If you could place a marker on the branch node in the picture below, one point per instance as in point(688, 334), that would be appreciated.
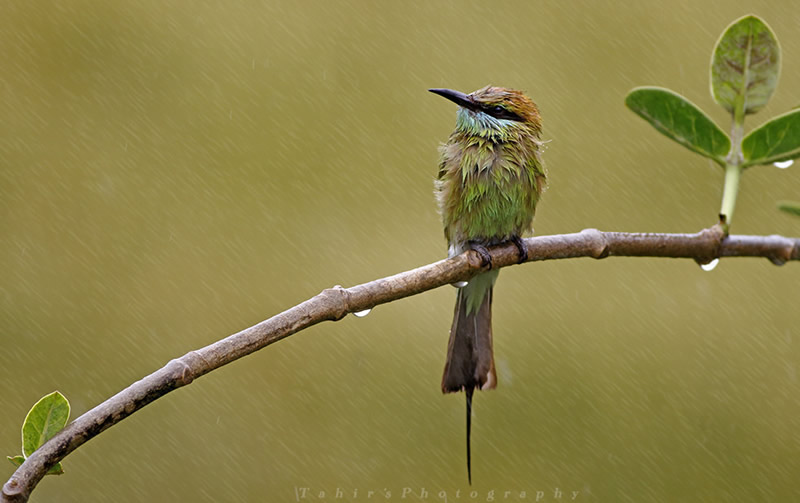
point(598, 244)
point(338, 300)
point(782, 254)
point(187, 363)
point(13, 492)
point(714, 236)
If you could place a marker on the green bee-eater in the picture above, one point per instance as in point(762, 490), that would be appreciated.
point(490, 179)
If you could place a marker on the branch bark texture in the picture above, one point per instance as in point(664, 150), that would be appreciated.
point(335, 303)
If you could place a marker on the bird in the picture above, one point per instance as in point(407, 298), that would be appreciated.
point(490, 178)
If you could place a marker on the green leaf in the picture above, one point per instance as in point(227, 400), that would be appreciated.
point(16, 460)
point(791, 207)
point(46, 418)
point(745, 65)
point(56, 469)
point(778, 139)
point(681, 120)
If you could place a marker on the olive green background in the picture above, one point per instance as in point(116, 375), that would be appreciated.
point(172, 172)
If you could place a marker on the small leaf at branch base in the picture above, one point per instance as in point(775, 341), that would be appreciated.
point(745, 65)
point(791, 207)
point(46, 418)
point(56, 469)
point(680, 119)
point(16, 460)
point(778, 139)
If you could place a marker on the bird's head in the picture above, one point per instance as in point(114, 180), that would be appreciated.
point(494, 108)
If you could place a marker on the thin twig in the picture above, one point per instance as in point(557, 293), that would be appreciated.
point(334, 303)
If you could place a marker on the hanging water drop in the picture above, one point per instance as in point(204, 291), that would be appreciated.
point(784, 164)
point(710, 266)
point(460, 284)
point(361, 314)
point(777, 260)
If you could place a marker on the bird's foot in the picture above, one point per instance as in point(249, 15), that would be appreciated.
point(486, 258)
point(521, 248)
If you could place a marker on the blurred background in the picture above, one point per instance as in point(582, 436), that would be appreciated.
point(173, 172)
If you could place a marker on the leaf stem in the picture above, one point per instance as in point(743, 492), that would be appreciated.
point(733, 164)
point(732, 174)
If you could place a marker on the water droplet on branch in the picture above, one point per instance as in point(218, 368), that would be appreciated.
point(361, 314)
point(784, 164)
point(460, 284)
point(710, 266)
point(777, 260)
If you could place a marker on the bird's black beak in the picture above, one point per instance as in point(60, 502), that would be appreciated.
point(457, 97)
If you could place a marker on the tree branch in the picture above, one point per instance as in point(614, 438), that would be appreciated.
point(334, 303)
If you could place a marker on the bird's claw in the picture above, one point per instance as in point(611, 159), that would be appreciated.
point(486, 257)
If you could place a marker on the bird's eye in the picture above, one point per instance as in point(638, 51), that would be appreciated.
point(498, 109)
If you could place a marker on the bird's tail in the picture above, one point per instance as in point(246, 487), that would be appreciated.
point(470, 360)
point(469, 392)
